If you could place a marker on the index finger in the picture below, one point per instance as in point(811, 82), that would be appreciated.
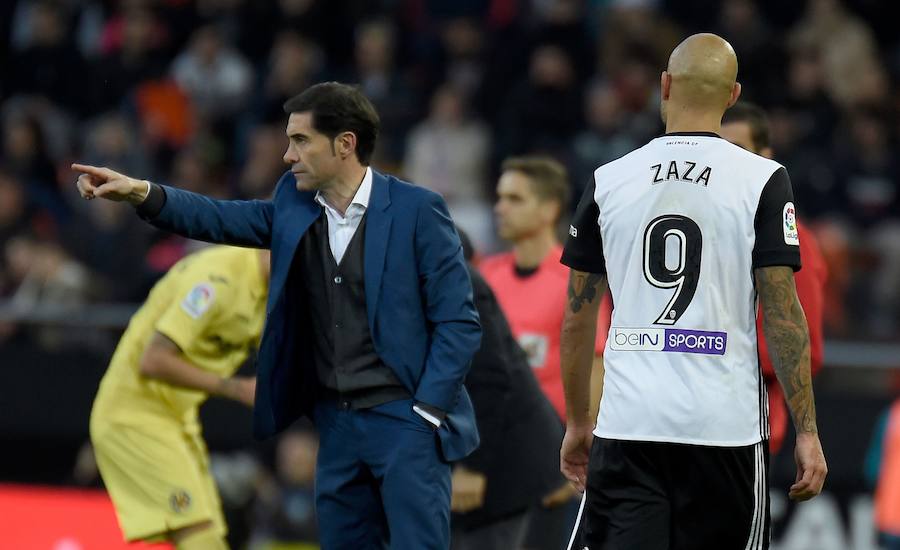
point(91, 170)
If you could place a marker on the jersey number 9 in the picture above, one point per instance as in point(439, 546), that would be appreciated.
point(683, 276)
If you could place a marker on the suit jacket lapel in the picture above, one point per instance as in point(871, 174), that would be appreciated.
point(378, 227)
point(300, 213)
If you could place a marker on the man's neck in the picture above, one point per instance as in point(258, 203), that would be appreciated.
point(531, 251)
point(343, 188)
point(693, 121)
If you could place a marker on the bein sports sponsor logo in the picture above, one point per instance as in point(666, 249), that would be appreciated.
point(669, 339)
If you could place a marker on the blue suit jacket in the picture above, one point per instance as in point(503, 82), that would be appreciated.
point(418, 297)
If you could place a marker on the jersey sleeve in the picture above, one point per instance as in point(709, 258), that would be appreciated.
point(584, 247)
point(196, 308)
point(777, 238)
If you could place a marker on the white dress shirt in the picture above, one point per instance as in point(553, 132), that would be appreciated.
point(342, 227)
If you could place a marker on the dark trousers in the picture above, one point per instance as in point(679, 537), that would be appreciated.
point(381, 481)
point(644, 495)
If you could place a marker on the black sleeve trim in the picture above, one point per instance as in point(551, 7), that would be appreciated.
point(588, 265)
point(153, 204)
point(584, 246)
point(776, 258)
point(771, 247)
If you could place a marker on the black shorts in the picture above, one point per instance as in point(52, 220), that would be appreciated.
point(667, 496)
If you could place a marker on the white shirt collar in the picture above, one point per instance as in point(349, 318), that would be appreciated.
point(361, 198)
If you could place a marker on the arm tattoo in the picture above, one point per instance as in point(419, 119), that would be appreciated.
point(788, 337)
point(582, 289)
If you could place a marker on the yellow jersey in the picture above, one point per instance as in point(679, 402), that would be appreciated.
point(212, 305)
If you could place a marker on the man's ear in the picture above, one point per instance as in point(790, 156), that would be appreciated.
point(735, 94)
point(345, 144)
point(665, 85)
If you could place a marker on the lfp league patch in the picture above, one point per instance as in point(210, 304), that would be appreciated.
point(198, 300)
point(789, 225)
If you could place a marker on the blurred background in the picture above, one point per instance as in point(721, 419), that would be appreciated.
point(189, 93)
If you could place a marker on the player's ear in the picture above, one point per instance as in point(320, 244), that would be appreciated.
point(735, 94)
point(665, 85)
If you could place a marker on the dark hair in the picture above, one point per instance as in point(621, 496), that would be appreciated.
point(338, 108)
point(549, 179)
point(755, 117)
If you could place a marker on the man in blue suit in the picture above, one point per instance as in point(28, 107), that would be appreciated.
point(370, 321)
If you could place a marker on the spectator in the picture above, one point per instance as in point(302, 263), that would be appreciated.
point(50, 62)
point(448, 153)
point(380, 80)
point(131, 54)
point(110, 140)
point(293, 65)
point(217, 78)
point(846, 44)
point(28, 158)
point(604, 139)
point(543, 111)
point(263, 163)
point(285, 510)
point(44, 275)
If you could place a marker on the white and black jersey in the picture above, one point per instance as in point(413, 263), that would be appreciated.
point(678, 226)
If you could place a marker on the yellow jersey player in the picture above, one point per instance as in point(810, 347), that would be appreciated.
point(184, 344)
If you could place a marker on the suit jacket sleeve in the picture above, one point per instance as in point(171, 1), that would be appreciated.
point(241, 223)
point(489, 381)
point(447, 299)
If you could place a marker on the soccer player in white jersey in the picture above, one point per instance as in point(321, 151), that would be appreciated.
point(686, 232)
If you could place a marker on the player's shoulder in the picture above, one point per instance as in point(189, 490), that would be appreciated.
point(222, 267)
point(748, 162)
point(214, 279)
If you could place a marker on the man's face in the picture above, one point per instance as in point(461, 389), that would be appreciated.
point(741, 135)
point(310, 154)
point(520, 212)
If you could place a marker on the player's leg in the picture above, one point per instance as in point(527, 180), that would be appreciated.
point(625, 503)
point(154, 479)
point(348, 506)
point(200, 536)
point(720, 497)
point(402, 451)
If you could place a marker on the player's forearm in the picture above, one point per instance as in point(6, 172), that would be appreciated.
point(171, 369)
point(579, 333)
point(787, 336)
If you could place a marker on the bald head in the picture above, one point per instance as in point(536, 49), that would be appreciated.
point(702, 74)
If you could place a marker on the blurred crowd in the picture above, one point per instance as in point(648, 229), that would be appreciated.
point(189, 93)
